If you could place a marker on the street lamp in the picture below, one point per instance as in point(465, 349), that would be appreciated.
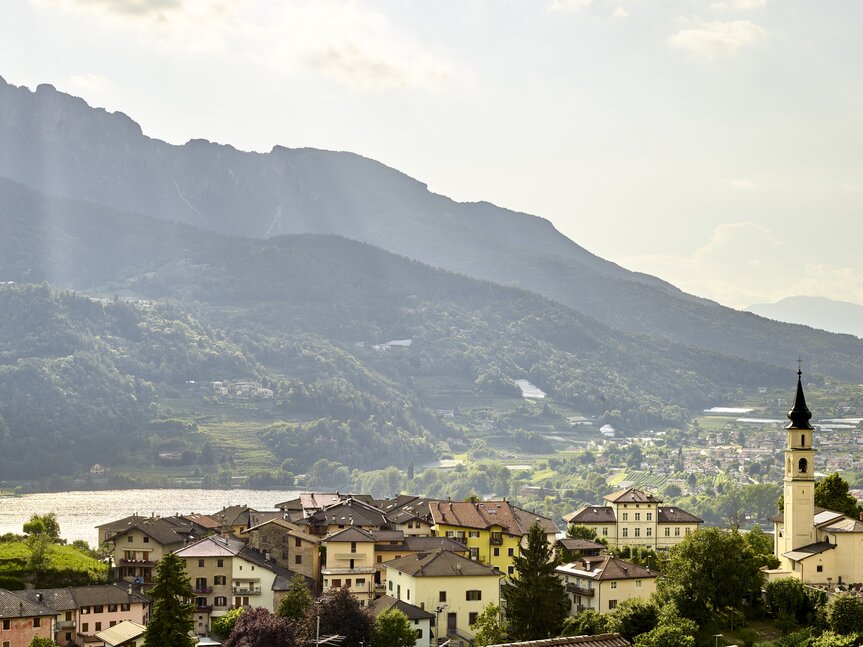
point(716, 638)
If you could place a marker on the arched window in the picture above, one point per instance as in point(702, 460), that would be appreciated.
point(802, 465)
point(803, 440)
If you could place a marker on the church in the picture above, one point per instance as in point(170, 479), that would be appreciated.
point(814, 545)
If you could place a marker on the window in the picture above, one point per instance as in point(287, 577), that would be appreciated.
point(201, 563)
point(353, 546)
point(37, 622)
point(98, 609)
point(614, 585)
point(68, 637)
point(638, 532)
point(85, 627)
point(112, 608)
point(220, 580)
point(361, 581)
point(298, 542)
point(390, 585)
point(220, 601)
point(510, 552)
point(471, 618)
point(220, 563)
point(146, 539)
point(298, 559)
point(650, 532)
point(112, 623)
point(419, 634)
point(473, 533)
point(626, 532)
point(98, 626)
point(510, 570)
point(677, 532)
point(626, 516)
point(474, 553)
point(473, 595)
point(819, 568)
point(612, 604)
point(129, 539)
point(650, 516)
point(125, 606)
point(380, 559)
point(408, 594)
point(638, 516)
point(496, 551)
point(605, 532)
point(638, 584)
point(441, 596)
point(668, 532)
point(6, 643)
point(687, 531)
point(85, 610)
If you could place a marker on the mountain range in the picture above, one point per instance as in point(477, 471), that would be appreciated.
point(817, 312)
point(201, 263)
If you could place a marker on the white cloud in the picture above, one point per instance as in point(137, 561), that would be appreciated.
point(343, 40)
point(739, 5)
point(716, 38)
point(88, 82)
point(740, 183)
point(568, 5)
point(620, 13)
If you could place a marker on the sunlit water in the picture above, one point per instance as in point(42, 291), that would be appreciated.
point(80, 512)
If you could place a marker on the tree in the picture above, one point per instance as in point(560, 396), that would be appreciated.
point(831, 492)
point(709, 572)
point(671, 630)
point(576, 531)
point(633, 617)
point(297, 600)
point(224, 625)
point(40, 553)
point(393, 629)
point(832, 639)
point(40, 641)
point(172, 613)
point(586, 623)
point(489, 628)
point(787, 595)
point(341, 613)
point(536, 600)
point(260, 628)
point(845, 614)
point(45, 524)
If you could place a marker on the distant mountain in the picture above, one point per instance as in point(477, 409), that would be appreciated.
point(302, 312)
point(57, 144)
point(817, 312)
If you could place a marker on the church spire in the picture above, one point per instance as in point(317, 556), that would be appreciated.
point(799, 414)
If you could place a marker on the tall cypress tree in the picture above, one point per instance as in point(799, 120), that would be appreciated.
point(536, 600)
point(172, 612)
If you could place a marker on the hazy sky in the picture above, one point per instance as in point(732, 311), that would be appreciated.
point(718, 145)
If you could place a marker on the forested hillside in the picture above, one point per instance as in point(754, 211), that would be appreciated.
point(58, 144)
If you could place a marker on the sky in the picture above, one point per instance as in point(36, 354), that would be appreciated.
point(717, 144)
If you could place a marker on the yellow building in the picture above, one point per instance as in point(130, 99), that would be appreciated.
point(452, 587)
point(601, 583)
point(493, 531)
point(636, 518)
point(350, 563)
point(812, 544)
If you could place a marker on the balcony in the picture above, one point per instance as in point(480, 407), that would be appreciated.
point(362, 570)
point(64, 624)
point(249, 590)
point(579, 590)
point(203, 589)
point(496, 540)
point(135, 562)
point(204, 608)
point(357, 557)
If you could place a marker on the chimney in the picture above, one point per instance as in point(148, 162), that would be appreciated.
point(129, 589)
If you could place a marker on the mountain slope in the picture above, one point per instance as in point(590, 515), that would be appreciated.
point(826, 314)
point(57, 144)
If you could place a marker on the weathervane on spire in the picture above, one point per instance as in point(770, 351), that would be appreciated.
point(799, 366)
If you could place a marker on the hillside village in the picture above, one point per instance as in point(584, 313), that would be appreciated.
point(440, 562)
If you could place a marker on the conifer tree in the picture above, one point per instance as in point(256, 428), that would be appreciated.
point(172, 615)
point(536, 600)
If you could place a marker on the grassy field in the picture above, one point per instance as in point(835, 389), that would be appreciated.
point(65, 564)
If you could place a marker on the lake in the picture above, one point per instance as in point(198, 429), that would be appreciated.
point(80, 512)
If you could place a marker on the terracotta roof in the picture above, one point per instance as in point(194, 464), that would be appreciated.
point(592, 514)
point(606, 567)
point(675, 515)
point(381, 604)
point(440, 563)
point(14, 606)
point(631, 495)
point(602, 640)
point(485, 514)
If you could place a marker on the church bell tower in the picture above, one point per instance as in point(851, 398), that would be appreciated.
point(799, 482)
